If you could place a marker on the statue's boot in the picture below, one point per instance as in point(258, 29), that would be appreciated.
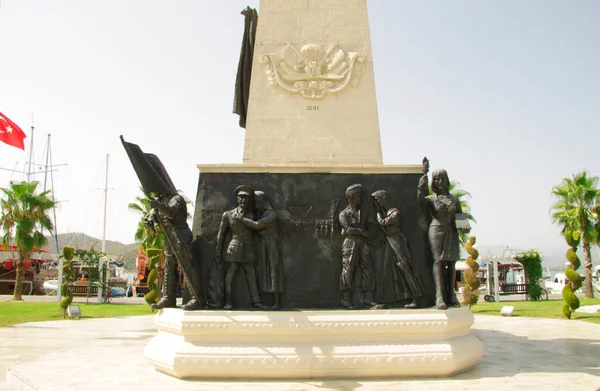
point(413, 304)
point(228, 305)
point(438, 279)
point(454, 302)
point(191, 305)
point(168, 289)
point(165, 302)
point(276, 299)
point(367, 299)
point(257, 304)
point(346, 303)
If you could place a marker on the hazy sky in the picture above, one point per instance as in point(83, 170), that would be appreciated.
point(503, 94)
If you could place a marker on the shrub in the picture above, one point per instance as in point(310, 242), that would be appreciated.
point(68, 278)
point(153, 255)
point(532, 263)
point(471, 289)
point(568, 292)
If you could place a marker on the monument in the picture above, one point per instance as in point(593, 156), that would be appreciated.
point(306, 224)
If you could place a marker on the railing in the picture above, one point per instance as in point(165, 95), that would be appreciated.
point(82, 290)
point(521, 289)
point(514, 289)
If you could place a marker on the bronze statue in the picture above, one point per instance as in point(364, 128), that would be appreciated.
point(172, 210)
point(355, 249)
point(241, 251)
point(399, 281)
point(441, 208)
point(270, 263)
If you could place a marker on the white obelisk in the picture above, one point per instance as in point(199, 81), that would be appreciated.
point(312, 95)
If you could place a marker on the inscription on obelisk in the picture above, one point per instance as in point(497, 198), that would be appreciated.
point(312, 94)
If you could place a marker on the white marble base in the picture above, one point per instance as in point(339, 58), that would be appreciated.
point(313, 344)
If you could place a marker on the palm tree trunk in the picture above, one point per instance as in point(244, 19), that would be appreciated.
point(19, 273)
point(587, 258)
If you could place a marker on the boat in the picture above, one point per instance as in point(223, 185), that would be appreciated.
point(50, 287)
point(37, 269)
point(116, 291)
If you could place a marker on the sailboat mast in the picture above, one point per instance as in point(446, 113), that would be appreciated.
point(47, 159)
point(30, 151)
point(105, 203)
point(49, 168)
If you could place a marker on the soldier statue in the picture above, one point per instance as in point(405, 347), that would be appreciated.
point(241, 250)
point(172, 211)
point(355, 250)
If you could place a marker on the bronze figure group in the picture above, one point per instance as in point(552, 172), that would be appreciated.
point(254, 241)
point(248, 239)
point(397, 282)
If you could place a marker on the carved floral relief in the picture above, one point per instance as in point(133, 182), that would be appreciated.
point(314, 70)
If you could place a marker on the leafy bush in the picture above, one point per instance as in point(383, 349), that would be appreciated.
point(68, 278)
point(532, 263)
point(153, 255)
point(471, 289)
point(568, 292)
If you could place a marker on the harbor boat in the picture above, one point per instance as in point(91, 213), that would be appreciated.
point(37, 269)
point(50, 287)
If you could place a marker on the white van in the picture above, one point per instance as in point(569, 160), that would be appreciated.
point(558, 283)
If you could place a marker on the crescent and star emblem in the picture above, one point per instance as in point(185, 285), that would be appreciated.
point(7, 127)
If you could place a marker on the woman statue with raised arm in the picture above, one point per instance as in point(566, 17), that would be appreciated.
point(440, 209)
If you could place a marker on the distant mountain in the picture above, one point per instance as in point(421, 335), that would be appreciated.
point(114, 250)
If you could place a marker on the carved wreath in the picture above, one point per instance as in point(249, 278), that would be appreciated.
point(313, 71)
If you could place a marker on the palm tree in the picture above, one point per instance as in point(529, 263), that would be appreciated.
point(576, 209)
point(463, 197)
point(25, 212)
point(149, 237)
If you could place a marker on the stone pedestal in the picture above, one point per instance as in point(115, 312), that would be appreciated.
point(313, 344)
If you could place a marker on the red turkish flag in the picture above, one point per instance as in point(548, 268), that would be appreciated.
point(10, 133)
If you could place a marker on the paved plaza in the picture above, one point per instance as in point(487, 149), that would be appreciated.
point(101, 354)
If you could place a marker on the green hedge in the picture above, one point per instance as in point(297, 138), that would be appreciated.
point(532, 263)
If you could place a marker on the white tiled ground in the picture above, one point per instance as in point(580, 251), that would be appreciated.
point(106, 354)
